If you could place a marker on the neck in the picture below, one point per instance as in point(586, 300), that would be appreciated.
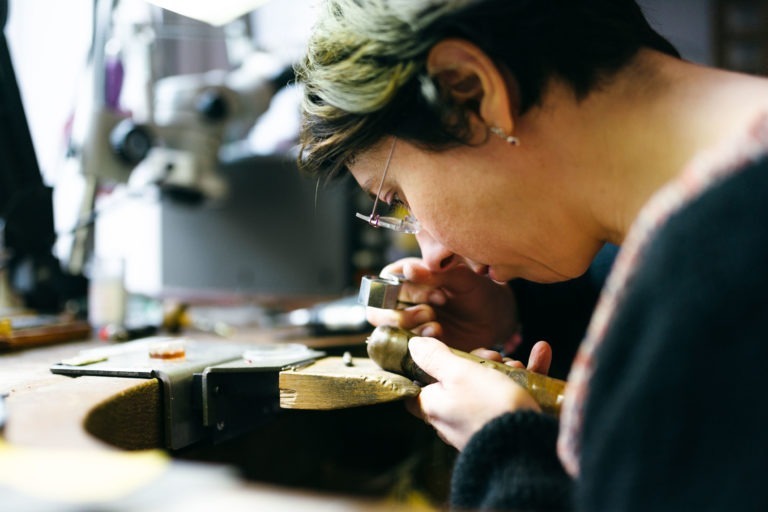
point(637, 132)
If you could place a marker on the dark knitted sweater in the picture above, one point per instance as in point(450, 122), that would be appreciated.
point(676, 418)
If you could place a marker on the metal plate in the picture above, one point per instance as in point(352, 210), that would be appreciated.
point(193, 409)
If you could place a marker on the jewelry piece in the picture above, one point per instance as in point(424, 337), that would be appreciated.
point(511, 139)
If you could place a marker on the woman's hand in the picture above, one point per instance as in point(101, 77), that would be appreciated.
point(464, 309)
point(466, 395)
point(539, 359)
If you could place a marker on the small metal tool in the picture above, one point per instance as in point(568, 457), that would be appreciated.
point(381, 291)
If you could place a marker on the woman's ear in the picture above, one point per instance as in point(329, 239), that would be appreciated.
point(473, 80)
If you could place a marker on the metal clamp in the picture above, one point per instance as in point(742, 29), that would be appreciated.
point(215, 392)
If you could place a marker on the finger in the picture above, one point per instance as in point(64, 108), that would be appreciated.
point(416, 293)
point(514, 363)
point(428, 283)
point(429, 329)
point(417, 315)
point(377, 316)
point(416, 271)
point(541, 358)
point(487, 353)
point(417, 285)
point(398, 267)
point(421, 317)
point(418, 407)
point(457, 279)
point(436, 359)
point(422, 294)
point(413, 406)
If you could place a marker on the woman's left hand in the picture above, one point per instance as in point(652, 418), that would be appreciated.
point(539, 361)
point(466, 395)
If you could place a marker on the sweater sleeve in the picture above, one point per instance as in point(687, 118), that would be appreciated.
point(511, 464)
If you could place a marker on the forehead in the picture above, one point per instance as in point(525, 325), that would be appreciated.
point(368, 165)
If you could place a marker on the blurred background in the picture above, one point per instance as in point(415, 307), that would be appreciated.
point(148, 179)
point(167, 145)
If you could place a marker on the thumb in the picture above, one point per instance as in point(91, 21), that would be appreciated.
point(434, 357)
point(429, 283)
point(540, 358)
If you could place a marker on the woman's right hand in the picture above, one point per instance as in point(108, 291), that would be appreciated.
point(463, 309)
point(466, 395)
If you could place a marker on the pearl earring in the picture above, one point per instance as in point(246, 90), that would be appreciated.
point(511, 139)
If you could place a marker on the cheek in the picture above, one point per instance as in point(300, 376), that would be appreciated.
point(467, 233)
point(479, 230)
point(464, 219)
point(458, 210)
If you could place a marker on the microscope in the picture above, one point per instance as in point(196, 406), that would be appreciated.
point(172, 141)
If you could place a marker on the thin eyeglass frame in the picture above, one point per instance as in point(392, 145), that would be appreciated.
point(381, 186)
point(374, 219)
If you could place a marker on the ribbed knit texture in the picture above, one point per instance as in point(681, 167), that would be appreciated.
point(511, 465)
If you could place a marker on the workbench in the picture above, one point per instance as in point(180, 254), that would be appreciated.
point(74, 432)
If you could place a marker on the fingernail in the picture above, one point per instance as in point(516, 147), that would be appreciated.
point(429, 331)
point(415, 343)
point(437, 298)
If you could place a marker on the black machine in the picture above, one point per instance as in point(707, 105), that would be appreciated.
point(26, 203)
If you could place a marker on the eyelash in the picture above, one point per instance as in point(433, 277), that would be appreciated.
point(396, 201)
point(393, 200)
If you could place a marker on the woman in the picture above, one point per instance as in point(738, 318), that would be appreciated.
point(516, 138)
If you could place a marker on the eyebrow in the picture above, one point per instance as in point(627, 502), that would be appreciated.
point(376, 181)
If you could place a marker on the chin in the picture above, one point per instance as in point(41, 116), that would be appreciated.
point(538, 275)
point(551, 279)
point(497, 275)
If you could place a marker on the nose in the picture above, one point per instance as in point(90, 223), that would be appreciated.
point(436, 256)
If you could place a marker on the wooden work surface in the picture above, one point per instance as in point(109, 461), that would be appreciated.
point(52, 416)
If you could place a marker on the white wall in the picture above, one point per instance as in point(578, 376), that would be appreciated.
point(49, 41)
point(282, 26)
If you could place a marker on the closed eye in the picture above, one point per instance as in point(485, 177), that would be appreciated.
point(397, 201)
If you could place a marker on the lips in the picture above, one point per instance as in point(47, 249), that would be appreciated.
point(494, 277)
point(487, 271)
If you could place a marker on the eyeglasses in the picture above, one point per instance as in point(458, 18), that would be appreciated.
point(395, 215)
